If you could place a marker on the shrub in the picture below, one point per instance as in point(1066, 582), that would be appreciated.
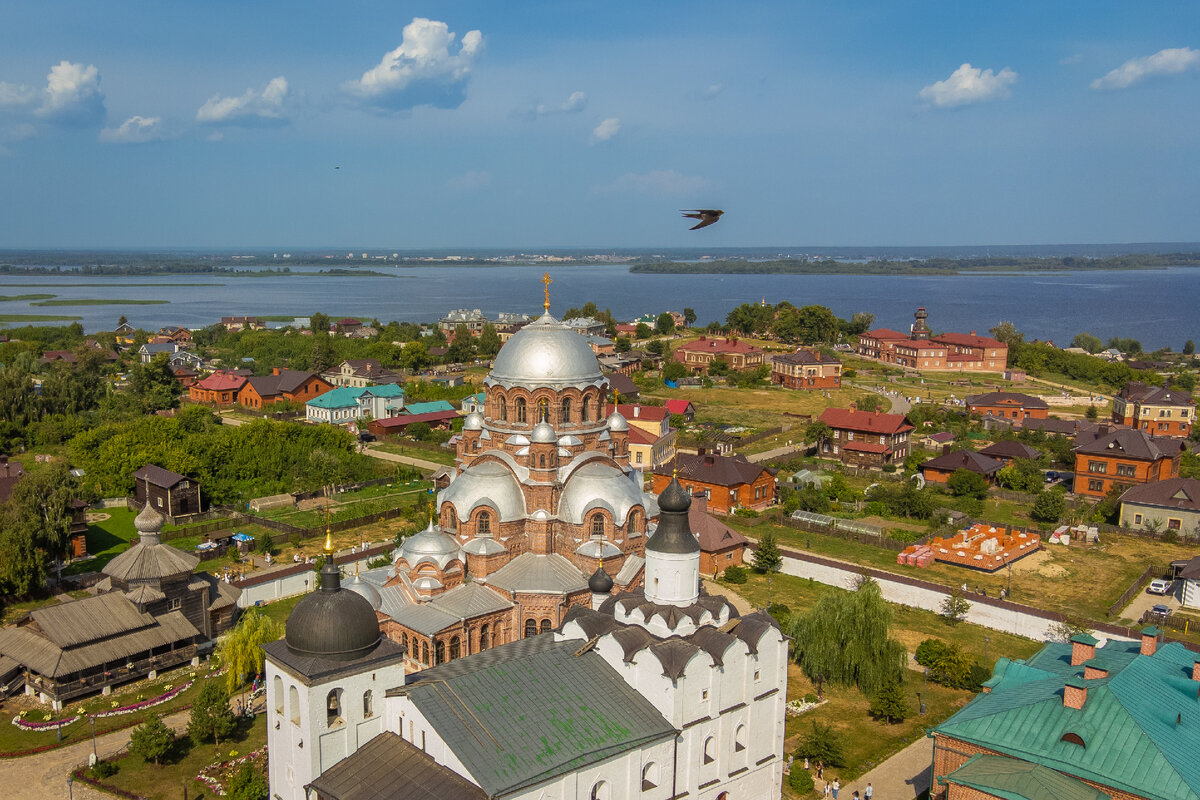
point(906, 536)
point(811, 697)
point(735, 574)
point(248, 784)
point(103, 769)
point(890, 704)
point(822, 743)
point(955, 607)
point(151, 740)
point(780, 612)
point(929, 651)
point(749, 513)
point(800, 779)
point(889, 468)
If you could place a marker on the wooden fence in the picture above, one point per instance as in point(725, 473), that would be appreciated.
point(1150, 574)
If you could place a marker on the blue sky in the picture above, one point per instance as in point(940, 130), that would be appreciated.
point(527, 124)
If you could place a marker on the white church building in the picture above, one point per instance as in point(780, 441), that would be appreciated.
point(660, 693)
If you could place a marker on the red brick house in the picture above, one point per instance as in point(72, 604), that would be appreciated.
point(866, 438)
point(721, 547)
point(1125, 457)
point(939, 469)
point(218, 389)
point(1008, 405)
point(727, 482)
point(282, 384)
point(1159, 410)
point(806, 369)
point(737, 354)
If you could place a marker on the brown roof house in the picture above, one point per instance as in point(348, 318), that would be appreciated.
point(1170, 505)
point(169, 493)
point(726, 481)
point(721, 547)
point(939, 470)
point(866, 438)
point(282, 385)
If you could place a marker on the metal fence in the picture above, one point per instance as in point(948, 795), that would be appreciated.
point(1134, 588)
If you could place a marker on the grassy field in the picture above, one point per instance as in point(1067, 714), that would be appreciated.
point(36, 318)
point(1078, 581)
point(106, 539)
point(438, 455)
point(176, 776)
point(95, 301)
point(10, 297)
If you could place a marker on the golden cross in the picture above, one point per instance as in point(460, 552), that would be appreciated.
point(546, 281)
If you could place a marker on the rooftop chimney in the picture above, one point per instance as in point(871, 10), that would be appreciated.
point(1196, 670)
point(972, 333)
point(274, 370)
point(1150, 641)
point(1091, 672)
point(1083, 648)
point(945, 449)
point(1075, 693)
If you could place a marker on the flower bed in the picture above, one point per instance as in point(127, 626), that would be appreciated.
point(81, 775)
point(171, 694)
point(218, 776)
point(26, 725)
point(795, 708)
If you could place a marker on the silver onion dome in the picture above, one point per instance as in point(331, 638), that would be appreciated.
point(545, 353)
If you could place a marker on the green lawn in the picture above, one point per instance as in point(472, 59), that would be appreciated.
point(176, 775)
point(106, 540)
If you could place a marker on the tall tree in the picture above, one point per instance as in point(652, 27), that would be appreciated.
point(154, 385)
point(1087, 341)
point(845, 639)
point(241, 648)
point(665, 324)
point(489, 340)
point(689, 316)
point(37, 526)
point(319, 323)
point(1005, 331)
point(151, 740)
point(211, 717)
point(323, 357)
point(890, 702)
point(766, 556)
point(817, 324)
point(1189, 347)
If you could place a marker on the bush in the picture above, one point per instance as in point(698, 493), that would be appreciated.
point(929, 651)
point(151, 740)
point(103, 769)
point(964, 483)
point(748, 513)
point(735, 574)
point(889, 468)
point(890, 703)
point(248, 784)
point(822, 743)
point(955, 607)
point(811, 697)
point(906, 536)
point(800, 779)
point(780, 612)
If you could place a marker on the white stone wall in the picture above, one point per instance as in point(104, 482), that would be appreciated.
point(300, 752)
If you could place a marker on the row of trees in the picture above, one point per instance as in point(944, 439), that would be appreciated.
point(812, 324)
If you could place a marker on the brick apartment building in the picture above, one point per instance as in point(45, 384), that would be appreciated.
point(1123, 456)
point(1159, 410)
point(922, 350)
point(698, 355)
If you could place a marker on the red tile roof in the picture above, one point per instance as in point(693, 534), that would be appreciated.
point(867, 447)
point(847, 419)
point(967, 340)
point(679, 406)
point(221, 381)
point(632, 411)
point(706, 345)
point(885, 333)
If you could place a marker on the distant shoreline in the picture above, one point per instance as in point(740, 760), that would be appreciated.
point(921, 267)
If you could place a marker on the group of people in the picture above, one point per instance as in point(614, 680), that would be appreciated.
point(834, 786)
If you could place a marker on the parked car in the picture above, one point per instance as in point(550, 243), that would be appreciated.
point(1159, 608)
point(1159, 586)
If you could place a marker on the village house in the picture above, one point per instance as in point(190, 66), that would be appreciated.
point(651, 437)
point(683, 408)
point(58, 357)
point(621, 386)
point(11, 473)
point(170, 494)
point(345, 404)
point(186, 376)
point(221, 388)
point(176, 334)
point(348, 327)
point(866, 438)
point(472, 403)
point(1006, 451)
point(939, 469)
point(624, 364)
point(806, 369)
point(125, 333)
point(1008, 405)
point(721, 547)
point(360, 372)
point(1122, 456)
point(282, 385)
point(186, 359)
point(588, 326)
point(1082, 719)
point(1169, 505)
point(472, 318)
point(1159, 410)
point(935, 441)
point(149, 350)
point(397, 425)
point(727, 482)
point(233, 324)
point(698, 355)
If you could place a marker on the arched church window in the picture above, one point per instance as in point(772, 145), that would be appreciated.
point(504, 409)
point(546, 626)
point(530, 627)
point(425, 653)
point(439, 652)
point(542, 461)
point(649, 776)
point(635, 522)
point(455, 648)
point(597, 526)
point(520, 409)
point(368, 704)
point(600, 791)
point(278, 686)
point(451, 517)
point(543, 410)
point(708, 751)
point(483, 637)
point(483, 526)
point(739, 739)
point(294, 704)
point(585, 410)
point(333, 708)
point(566, 409)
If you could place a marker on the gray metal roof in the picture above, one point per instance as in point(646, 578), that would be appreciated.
point(597, 484)
point(524, 713)
point(629, 570)
point(425, 618)
point(470, 600)
point(388, 767)
point(529, 572)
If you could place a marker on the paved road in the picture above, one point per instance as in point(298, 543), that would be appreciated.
point(902, 777)
point(1142, 601)
point(900, 405)
point(419, 463)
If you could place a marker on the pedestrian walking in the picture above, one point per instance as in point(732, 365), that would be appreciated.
point(856, 794)
point(869, 792)
point(806, 767)
point(837, 785)
point(828, 788)
point(820, 769)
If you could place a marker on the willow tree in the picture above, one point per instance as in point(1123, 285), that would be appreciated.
point(241, 650)
point(844, 639)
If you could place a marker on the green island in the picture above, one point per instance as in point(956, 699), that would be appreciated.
point(99, 301)
point(73, 285)
point(36, 318)
point(4, 298)
point(927, 266)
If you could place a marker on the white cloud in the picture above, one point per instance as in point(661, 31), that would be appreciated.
point(574, 102)
point(969, 85)
point(713, 90)
point(421, 71)
point(1171, 61)
point(664, 182)
point(251, 108)
point(470, 181)
point(606, 130)
point(71, 97)
point(135, 130)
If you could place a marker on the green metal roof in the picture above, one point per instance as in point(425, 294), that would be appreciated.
point(1011, 779)
point(525, 712)
point(1084, 638)
point(384, 390)
point(341, 397)
point(1127, 723)
point(425, 408)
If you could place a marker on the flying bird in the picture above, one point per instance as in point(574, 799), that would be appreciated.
point(707, 216)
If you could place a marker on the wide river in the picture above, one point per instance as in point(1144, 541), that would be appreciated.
point(1157, 307)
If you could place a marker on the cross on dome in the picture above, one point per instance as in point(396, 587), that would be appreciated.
point(546, 281)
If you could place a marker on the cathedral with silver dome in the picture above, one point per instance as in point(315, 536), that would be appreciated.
point(542, 498)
